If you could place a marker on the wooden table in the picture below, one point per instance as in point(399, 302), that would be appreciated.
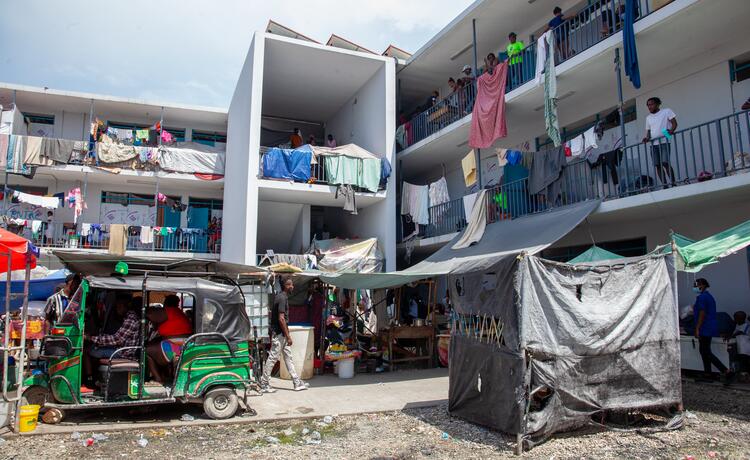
point(426, 333)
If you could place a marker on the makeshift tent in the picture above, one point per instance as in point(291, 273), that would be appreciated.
point(594, 254)
point(19, 249)
point(693, 257)
point(339, 255)
point(288, 164)
point(539, 347)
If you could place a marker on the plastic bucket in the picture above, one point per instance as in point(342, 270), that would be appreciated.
point(346, 368)
point(27, 417)
point(303, 348)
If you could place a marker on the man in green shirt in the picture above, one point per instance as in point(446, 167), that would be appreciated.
point(515, 49)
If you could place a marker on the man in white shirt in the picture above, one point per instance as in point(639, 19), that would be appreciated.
point(661, 125)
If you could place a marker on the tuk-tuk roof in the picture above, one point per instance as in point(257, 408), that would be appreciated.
point(218, 307)
point(93, 263)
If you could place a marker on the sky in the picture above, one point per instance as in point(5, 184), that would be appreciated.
point(186, 51)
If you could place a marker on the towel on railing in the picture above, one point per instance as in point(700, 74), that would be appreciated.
point(477, 223)
point(469, 167)
point(488, 116)
point(439, 192)
point(415, 202)
point(118, 239)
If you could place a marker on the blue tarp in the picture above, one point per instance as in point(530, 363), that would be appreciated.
point(288, 164)
point(39, 289)
point(628, 43)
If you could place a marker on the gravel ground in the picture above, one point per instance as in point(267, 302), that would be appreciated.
point(718, 427)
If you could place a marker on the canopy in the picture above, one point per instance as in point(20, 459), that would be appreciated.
point(348, 150)
point(508, 238)
point(19, 250)
point(341, 255)
point(693, 257)
point(594, 254)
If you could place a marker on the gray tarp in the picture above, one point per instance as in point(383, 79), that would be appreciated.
point(528, 234)
point(598, 337)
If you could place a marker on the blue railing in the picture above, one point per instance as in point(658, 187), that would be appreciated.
point(708, 151)
point(578, 33)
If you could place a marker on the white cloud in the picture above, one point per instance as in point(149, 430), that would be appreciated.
point(186, 51)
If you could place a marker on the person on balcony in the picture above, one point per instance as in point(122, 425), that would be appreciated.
point(661, 125)
point(561, 36)
point(296, 138)
point(468, 81)
point(331, 141)
point(490, 62)
point(514, 50)
point(311, 140)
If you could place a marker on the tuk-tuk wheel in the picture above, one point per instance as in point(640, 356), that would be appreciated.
point(221, 403)
point(35, 395)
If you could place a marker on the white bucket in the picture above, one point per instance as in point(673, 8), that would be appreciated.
point(303, 347)
point(346, 368)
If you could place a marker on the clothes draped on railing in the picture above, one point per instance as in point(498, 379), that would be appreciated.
point(550, 91)
point(488, 117)
point(289, 164)
point(415, 202)
point(469, 167)
point(48, 202)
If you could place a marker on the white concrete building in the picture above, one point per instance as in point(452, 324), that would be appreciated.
point(694, 55)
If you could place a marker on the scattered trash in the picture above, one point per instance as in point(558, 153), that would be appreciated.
point(187, 418)
point(272, 440)
point(313, 441)
point(143, 442)
point(75, 435)
point(689, 414)
point(88, 442)
point(288, 432)
point(315, 436)
point(98, 437)
point(445, 436)
point(328, 419)
point(305, 431)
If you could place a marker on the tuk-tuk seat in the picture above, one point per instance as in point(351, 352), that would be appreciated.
point(120, 363)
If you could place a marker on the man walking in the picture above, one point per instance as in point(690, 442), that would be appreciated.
point(281, 340)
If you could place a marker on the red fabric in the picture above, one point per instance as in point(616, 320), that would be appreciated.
point(176, 325)
point(208, 176)
point(488, 117)
point(18, 246)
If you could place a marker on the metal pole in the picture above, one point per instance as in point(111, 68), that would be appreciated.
point(478, 152)
point(156, 210)
point(91, 115)
point(161, 124)
point(618, 69)
point(142, 357)
point(7, 327)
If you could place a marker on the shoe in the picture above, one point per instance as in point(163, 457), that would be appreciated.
point(302, 386)
point(267, 389)
point(85, 389)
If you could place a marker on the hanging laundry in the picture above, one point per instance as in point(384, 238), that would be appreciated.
point(141, 134)
point(541, 61)
point(15, 163)
point(513, 157)
point(401, 136)
point(385, 171)
point(85, 229)
point(415, 202)
point(161, 198)
point(108, 151)
point(347, 193)
point(502, 157)
point(488, 115)
point(33, 152)
point(477, 222)
point(49, 202)
point(166, 137)
point(469, 166)
point(75, 201)
point(590, 139)
point(628, 43)
point(4, 141)
point(147, 235)
point(57, 150)
point(118, 239)
point(577, 146)
point(550, 92)
point(438, 192)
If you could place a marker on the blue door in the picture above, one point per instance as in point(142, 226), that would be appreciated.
point(198, 219)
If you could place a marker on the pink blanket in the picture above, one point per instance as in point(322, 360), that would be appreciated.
point(488, 117)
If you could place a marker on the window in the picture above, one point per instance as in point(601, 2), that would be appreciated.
point(39, 119)
point(209, 138)
point(740, 70)
point(133, 126)
point(626, 248)
point(210, 203)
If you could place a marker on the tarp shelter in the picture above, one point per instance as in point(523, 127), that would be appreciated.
point(18, 248)
point(338, 255)
point(540, 347)
point(594, 254)
point(693, 257)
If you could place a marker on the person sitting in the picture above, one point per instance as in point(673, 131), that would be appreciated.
point(58, 301)
point(296, 138)
point(367, 325)
point(331, 141)
point(173, 327)
point(104, 345)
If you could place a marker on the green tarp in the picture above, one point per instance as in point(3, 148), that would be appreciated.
point(594, 254)
point(693, 257)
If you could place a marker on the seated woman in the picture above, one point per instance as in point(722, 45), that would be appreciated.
point(173, 327)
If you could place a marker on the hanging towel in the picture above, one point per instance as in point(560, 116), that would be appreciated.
point(166, 137)
point(347, 193)
point(541, 56)
point(49, 202)
point(57, 150)
point(589, 140)
point(118, 239)
point(141, 134)
point(439, 192)
point(550, 93)
point(371, 169)
point(147, 235)
point(385, 171)
point(415, 202)
point(502, 157)
point(577, 146)
point(469, 205)
point(469, 166)
point(16, 147)
point(75, 201)
point(85, 229)
point(476, 223)
point(488, 116)
point(33, 152)
point(628, 43)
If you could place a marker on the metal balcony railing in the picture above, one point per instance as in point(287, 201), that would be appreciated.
point(578, 33)
point(708, 151)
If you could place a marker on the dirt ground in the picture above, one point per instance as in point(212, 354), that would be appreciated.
point(717, 426)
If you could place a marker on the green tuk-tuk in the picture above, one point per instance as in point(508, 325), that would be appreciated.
point(213, 368)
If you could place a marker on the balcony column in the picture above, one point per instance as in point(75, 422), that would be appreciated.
point(477, 152)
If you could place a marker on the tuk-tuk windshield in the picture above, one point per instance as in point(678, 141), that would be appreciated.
point(70, 314)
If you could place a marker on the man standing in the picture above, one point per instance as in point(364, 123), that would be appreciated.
point(661, 125)
point(281, 340)
point(514, 49)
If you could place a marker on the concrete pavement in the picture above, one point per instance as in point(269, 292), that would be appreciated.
point(327, 395)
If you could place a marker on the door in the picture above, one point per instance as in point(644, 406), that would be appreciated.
point(198, 219)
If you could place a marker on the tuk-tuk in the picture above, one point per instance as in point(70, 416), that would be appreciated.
point(213, 367)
